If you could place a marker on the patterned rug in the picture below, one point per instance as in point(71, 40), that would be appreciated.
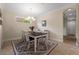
point(20, 48)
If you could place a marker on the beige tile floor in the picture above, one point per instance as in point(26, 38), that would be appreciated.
point(65, 49)
point(7, 48)
point(61, 49)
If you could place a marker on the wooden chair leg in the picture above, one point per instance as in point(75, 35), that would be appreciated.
point(46, 44)
point(28, 45)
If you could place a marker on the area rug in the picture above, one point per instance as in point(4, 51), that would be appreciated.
point(20, 48)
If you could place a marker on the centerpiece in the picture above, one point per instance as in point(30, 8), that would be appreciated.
point(31, 28)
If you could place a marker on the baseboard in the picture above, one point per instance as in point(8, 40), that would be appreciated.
point(58, 40)
point(15, 38)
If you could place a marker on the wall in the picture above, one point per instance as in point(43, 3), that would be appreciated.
point(77, 24)
point(54, 24)
point(64, 26)
point(11, 28)
point(54, 20)
point(0, 30)
point(0, 5)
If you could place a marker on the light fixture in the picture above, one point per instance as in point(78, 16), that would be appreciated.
point(31, 9)
point(33, 19)
point(69, 9)
point(30, 18)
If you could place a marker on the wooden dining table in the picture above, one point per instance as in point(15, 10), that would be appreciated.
point(37, 35)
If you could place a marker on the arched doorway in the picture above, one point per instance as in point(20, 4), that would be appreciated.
point(69, 26)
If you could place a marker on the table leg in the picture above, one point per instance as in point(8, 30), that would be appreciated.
point(35, 45)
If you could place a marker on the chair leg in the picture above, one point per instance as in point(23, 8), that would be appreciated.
point(37, 42)
point(28, 45)
point(45, 43)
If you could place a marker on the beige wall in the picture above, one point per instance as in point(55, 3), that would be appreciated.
point(54, 22)
point(0, 33)
point(0, 5)
point(77, 24)
point(11, 28)
point(0, 29)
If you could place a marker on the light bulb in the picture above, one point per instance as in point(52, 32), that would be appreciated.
point(33, 19)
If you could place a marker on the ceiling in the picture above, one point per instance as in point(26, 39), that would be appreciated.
point(32, 9)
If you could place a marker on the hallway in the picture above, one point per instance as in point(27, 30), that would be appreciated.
point(71, 39)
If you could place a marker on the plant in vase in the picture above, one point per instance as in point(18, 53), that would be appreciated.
point(31, 28)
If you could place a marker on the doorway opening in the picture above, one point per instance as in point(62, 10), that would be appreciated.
point(69, 28)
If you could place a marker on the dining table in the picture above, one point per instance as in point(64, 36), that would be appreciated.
point(36, 35)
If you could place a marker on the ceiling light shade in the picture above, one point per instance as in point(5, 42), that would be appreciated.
point(33, 19)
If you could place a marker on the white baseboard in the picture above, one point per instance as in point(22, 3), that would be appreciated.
point(57, 39)
point(15, 38)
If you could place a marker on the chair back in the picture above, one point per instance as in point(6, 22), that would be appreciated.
point(23, 36)
point(27, 36)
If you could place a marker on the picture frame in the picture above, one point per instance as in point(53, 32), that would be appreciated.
point(44, 24)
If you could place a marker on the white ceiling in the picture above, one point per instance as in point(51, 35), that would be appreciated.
point(32, 9)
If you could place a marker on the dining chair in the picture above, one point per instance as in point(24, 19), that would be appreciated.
point(48, 34)
point(28, 40)
point(42, 40)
